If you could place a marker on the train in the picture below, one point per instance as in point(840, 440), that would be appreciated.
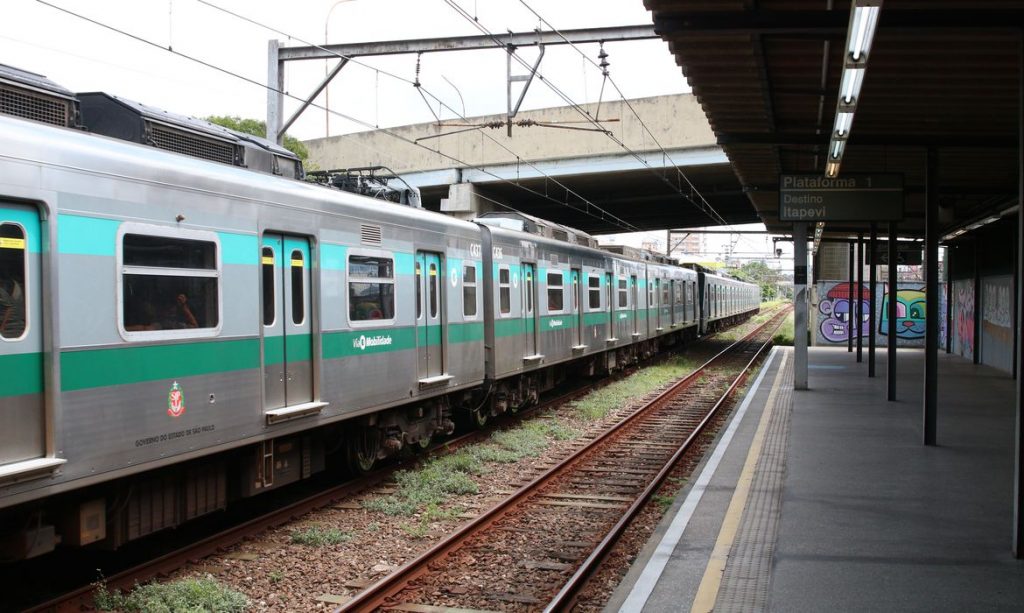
point(178, 334)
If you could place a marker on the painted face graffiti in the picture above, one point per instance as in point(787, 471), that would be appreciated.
point(836, 306)
point(963, 309)
point(910, 311)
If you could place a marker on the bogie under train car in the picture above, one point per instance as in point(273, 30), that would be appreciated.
point(176, 334)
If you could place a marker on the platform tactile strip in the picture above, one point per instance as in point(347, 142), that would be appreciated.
point(748, 570)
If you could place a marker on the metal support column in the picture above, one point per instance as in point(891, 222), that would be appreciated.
point(275, 92)
point(857, 301)
point(931, 273)
point(949, 304)
point(871, 292)
point(1018, 439)
point(800, 305)
point(891, 349)
point(849, 312)
point(976, 345)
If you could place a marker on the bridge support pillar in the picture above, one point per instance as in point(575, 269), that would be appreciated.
point(463, 202)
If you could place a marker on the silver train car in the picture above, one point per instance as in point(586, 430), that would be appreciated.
point(725, 301)
point(178, 334)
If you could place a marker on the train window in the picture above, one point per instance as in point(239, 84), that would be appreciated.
point(575, 291)
point(298, 294)
point(469, 290)
point(168, 283)
point(269, 304)
point(623, 294)
point(665, 300)
point(13, 322)
point(504, 291)
point(556, 296)
point(529, 291)
point(419, 290)
point(594, 291)
point(371, 288)
point(652, 292)
point(432, 289)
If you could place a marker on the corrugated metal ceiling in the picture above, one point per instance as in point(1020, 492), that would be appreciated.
point(942, 73)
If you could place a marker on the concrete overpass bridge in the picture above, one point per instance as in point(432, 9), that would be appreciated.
point(579, 178)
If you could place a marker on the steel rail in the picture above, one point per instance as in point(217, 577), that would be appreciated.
point(572, 587)
point(379, 594)
point(173, 560)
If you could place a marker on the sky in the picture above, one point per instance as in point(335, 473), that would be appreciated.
point(83, 56)
point(86, 56)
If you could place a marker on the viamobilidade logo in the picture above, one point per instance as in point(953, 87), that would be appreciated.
point(364, 341)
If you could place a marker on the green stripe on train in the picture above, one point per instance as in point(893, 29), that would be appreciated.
point(273, 350)
point(299, 348)
point(125, 365)
point(21, 373)
point(468, 332)
point(362, 342)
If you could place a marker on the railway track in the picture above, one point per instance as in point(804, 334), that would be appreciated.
point(538, 547)
point(171, 561)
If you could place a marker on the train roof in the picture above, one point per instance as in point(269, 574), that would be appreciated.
point(39, 82)
point(74, 149)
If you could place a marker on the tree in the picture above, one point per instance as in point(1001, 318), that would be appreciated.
point(259, 128)
point(758, 272)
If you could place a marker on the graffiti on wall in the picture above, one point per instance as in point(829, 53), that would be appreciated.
point(996, 310)
point(963, 318)
point(836, 310)
point(910, 310)
point(996, 301)
point(834, 313)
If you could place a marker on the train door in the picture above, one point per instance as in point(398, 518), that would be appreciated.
point(22, 406)
point(652, 305)
point(634, 291)
point(530, 309)
point(287, 321)
point(577, 335)
point(429, 314)
point(672, 301)
point(610, 293)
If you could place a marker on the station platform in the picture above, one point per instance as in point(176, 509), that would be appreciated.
point(827, 500)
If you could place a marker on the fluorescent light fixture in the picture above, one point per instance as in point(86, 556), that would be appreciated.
point(862, 31)
point(836, 151)
point(843, 123)
point(849, 88)
point(831, 169)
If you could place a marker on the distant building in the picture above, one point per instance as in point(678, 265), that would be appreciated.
point(687, 244)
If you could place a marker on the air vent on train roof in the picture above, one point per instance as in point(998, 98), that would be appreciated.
point(32, 96)
point(119, 117)
point(370, 235)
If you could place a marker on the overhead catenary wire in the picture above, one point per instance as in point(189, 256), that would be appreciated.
point(704, 206)
point(424, 92)
point(587, 206)
point(603, 67)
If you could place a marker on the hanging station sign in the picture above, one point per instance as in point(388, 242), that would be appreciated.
point(907, 254)
point(850, 197)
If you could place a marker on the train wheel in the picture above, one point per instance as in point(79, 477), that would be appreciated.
point(363, 448)
point(480, 417)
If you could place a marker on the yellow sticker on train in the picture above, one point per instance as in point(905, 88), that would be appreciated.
point(297, 263)
point(12, 243)
point(268, 260)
